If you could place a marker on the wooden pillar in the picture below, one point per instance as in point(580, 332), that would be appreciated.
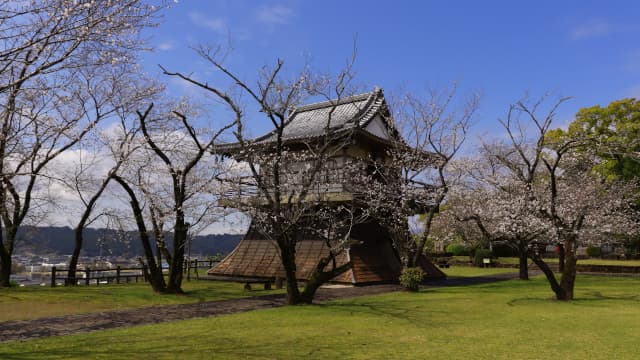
point(144, 272)
point(195, 266)
point(279, 283)
point(53, 276)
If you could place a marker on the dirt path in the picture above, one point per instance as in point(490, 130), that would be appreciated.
point(71, 324)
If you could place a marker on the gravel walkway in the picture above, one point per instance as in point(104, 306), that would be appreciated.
point(71, 324)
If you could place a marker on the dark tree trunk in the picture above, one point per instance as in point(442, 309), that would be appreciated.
point(563, 289)
point(288, 254)
point(411, 250)
point(561, 257)
point(6, 249)
point(419, 250)
point(5, 268)
point(523, 265)
point(73, 262)
point(551, 277)
point(320, 277)
point(568, 279)
point(156, 277)
point(174, 285)
point(422, 240)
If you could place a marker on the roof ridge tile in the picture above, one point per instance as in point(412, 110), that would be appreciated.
point(334, 102)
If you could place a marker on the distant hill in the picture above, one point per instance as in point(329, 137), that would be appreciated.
point(106, 242)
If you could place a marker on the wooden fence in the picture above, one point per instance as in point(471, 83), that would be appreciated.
point(121, 275)
point(192, 266)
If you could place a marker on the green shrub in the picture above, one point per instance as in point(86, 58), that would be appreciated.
point(480, 255)
point(411, 278)
point(457, 250)
point(593, 251)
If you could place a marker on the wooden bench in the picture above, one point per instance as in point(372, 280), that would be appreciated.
point(248, 281)
point(266, 283)
point(443, 263)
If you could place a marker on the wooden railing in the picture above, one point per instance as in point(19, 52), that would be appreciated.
point(90, 276)
point(192, 266)
point(120, 275)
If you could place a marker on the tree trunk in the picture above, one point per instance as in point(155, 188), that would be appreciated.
point(523, 265)
point(73, 262)
point(156, 277)
point(288, 254)
point(422, 240)
point(174, 285)
point(568, 279)
point(5, 268)
point(551, 277)
point(415, 255)
point(6, 250)
point(561, 257)
point(410, 249)
point(320, 277)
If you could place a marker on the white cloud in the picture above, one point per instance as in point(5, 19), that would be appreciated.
point(277, 14)
point(216, 24)
point(166, 45)
point(591, 29)
point(235, 223)
point(61, 206)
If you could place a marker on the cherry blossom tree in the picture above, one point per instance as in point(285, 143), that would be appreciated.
point(501, 215)
point(283, 178)
point(542, 189)
point(169, 182)
point(581, 206)
point(115, 93)
point(420, 171)
point(44, 111)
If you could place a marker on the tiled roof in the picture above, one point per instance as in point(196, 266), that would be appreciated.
point(311, 120)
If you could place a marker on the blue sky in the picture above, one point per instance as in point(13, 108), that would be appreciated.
point(504, 49)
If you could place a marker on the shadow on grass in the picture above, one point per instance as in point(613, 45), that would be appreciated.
point(396, 309)
point(590, 297)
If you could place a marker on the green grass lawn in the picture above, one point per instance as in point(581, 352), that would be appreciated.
point(608, 262)
point(34, 302)
point(503, 320)
point(471, 271)
point(513, 260)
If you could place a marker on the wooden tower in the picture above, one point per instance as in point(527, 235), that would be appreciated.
point(364, 122)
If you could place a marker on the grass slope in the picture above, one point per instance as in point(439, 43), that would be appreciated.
point(34, 302)
point(505, 320)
